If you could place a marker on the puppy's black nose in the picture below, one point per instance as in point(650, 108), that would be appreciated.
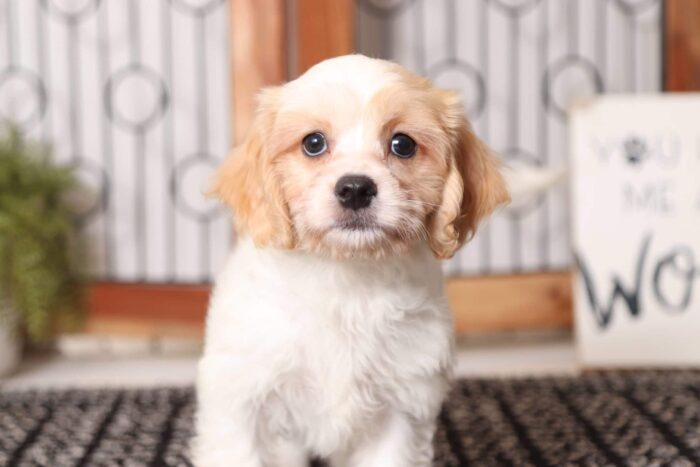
point(355, 191)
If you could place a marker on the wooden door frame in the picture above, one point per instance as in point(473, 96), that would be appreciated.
point(681, 49)
point(260, 34)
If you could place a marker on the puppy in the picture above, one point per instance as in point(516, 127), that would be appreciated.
point(328, 331)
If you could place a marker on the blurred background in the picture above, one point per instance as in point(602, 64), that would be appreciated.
point(142, 100)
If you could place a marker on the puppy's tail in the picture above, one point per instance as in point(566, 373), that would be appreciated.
point(526, 182)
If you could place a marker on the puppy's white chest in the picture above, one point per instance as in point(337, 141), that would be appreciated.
point(327, 347)
point(319, 407)
point(341, 382)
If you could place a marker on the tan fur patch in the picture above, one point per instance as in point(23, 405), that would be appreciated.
point(285, 199)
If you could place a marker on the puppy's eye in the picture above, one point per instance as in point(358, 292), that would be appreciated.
point(314, 144)
point(403, 146)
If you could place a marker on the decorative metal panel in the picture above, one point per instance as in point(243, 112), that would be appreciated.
point(520, 64)
point(135, 95)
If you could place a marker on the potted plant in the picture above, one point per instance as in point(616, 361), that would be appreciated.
point(40, 287)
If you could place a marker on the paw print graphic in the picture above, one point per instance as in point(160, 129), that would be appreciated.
point(635, 150)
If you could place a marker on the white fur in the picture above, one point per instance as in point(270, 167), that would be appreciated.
point(345, 359)
point(525, 182)
point(362, 75)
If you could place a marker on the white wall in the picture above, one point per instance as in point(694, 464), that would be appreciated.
point(149, 220)
point(511, 59)
point(136, 95)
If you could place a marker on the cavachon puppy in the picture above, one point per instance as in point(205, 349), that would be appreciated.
point(328, 332)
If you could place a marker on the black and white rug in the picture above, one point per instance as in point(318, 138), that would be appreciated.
point(631, 419)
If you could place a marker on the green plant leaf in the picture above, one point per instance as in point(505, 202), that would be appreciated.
point(40, 245)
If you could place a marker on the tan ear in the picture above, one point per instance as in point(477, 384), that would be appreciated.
point(473, 189)
point(248, 182)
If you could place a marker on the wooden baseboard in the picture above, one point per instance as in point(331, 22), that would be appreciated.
point(146, 309)
point(492, 304)
point(481, 305)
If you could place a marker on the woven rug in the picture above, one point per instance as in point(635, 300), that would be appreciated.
point(636, 419)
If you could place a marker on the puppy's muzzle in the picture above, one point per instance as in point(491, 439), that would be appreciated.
point(355, 191)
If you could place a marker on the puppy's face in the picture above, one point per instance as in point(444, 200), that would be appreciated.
point(360, 158)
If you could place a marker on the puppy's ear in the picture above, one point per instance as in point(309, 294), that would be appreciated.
point(474, 186)
point(248, 182)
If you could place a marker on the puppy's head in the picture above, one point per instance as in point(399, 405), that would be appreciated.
point(359, 157)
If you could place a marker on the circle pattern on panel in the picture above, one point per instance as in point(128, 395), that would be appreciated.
point(515, 8)
point(465, 78)
point(96, 181)
point(635, 7)
point(135, 97)
point(23, 96)
point(197, 7)
point(570, 77)
point(385, 8)
point(71, 11)
point(188, 184)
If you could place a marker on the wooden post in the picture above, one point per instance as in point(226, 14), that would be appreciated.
point(258, 55)
point(682, 45)
point(323, 29)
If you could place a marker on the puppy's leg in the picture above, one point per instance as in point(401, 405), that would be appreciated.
point(226, 417)
point(400, 441)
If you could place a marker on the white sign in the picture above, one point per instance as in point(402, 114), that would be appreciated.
point(636, 230)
